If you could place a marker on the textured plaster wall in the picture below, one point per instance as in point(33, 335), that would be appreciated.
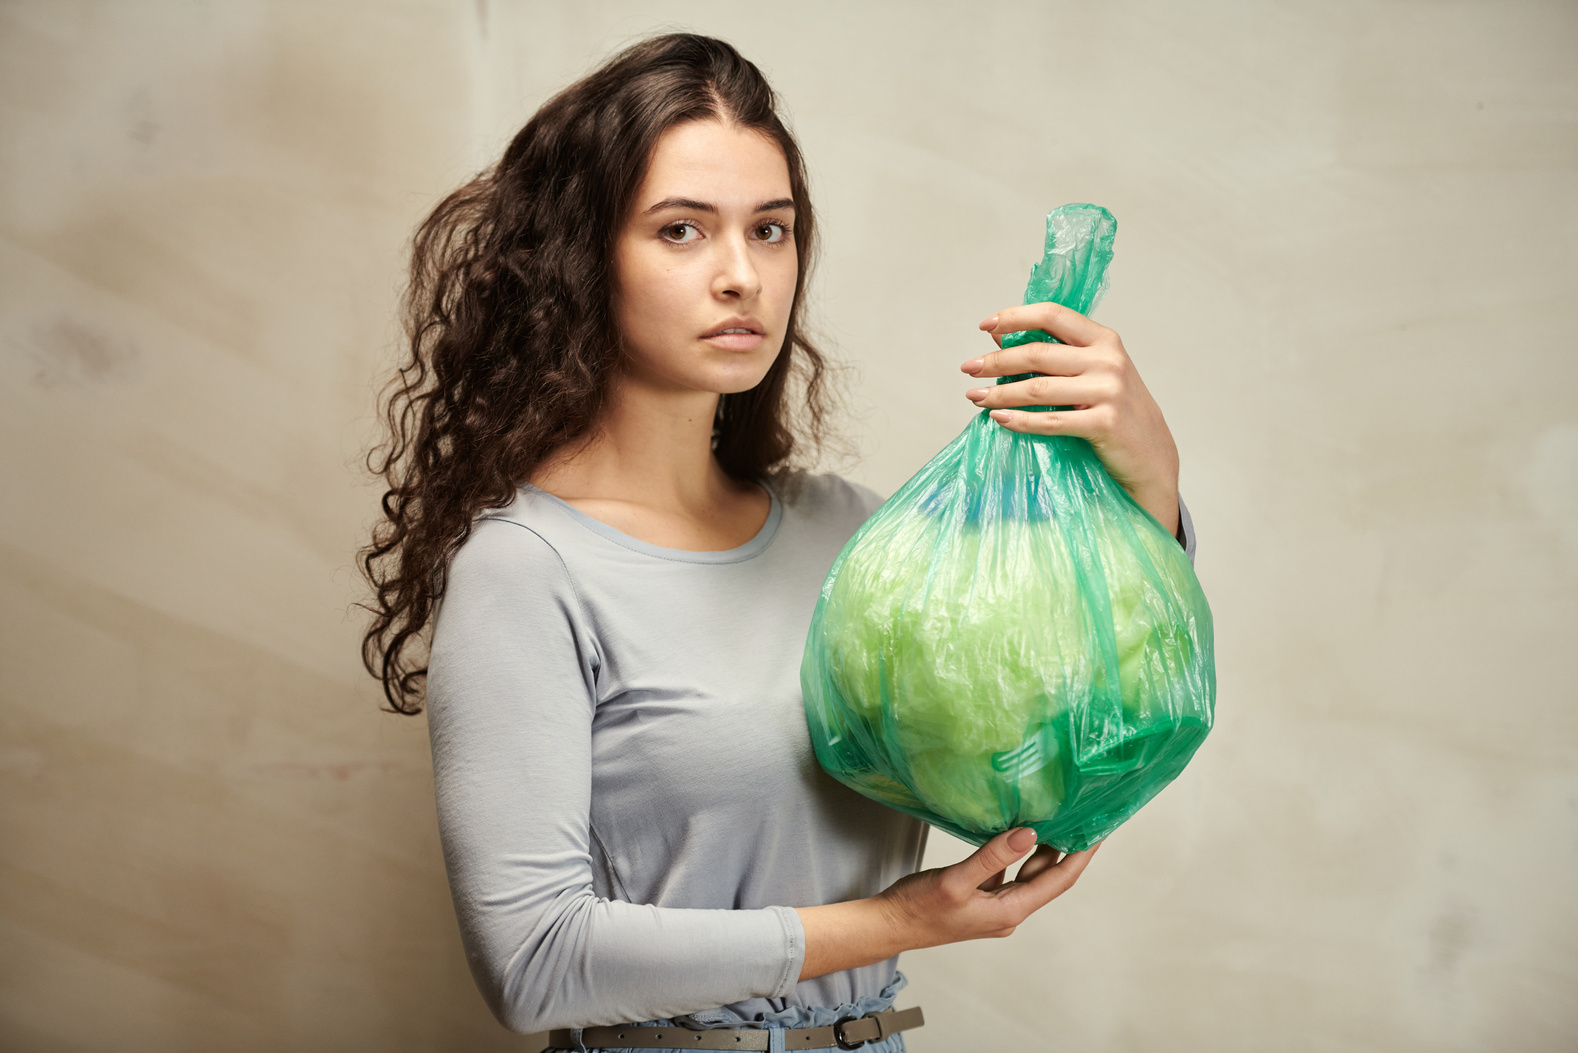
point(1345, 267)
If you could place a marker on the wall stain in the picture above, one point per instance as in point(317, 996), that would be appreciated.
point(134, 250)
point(143, 128)
point(69, 353)
point(1452, 935)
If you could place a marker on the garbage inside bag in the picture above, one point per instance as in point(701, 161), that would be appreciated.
point(1012, 640)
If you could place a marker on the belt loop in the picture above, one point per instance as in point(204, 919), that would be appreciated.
point(575, 1036)
point(775, 1040)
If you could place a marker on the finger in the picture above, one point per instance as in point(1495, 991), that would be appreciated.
point(1051, 883)
point(997, 854)
point(995, 882)
point(1045, 856)
point(1064, 360)
point(1092, 423)
point(1079, 392)
point(1067, 325)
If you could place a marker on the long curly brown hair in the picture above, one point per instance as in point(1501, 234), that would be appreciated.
point(511, 332)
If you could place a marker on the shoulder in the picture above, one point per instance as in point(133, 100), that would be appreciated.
point(508, 546)
point(827, 497)
point(507, 576)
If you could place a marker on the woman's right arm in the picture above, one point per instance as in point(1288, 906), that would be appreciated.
point(511, 696)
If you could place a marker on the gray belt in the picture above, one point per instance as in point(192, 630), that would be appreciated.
point(851, 1032)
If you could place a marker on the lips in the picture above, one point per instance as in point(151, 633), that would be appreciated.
point(736, 327)
point(737, 334)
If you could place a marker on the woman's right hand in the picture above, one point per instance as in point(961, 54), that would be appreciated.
point(971, 899)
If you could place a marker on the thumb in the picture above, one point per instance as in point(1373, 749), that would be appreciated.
point(997, 854)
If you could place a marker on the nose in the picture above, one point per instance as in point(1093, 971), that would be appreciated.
point(736, 276)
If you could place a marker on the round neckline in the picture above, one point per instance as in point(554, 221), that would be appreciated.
point(753, 547)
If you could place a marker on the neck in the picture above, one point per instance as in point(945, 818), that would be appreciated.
point(652, 447)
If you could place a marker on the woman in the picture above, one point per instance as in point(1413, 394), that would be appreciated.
point(591, 467)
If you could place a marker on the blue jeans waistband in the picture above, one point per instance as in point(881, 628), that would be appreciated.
point(789, 1017)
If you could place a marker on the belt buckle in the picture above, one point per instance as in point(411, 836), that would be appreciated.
point(838, 1033)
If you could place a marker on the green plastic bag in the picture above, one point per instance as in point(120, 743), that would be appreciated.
point(1011, 640)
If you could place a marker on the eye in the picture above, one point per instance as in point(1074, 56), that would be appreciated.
point(771, 232)
point(681, 233)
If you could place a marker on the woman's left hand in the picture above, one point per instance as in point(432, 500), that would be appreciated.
point(1090, 371)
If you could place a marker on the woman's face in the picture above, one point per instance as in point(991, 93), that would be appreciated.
point(705, 266)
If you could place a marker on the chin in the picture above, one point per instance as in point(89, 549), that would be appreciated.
point(734, 381)
point(734, 386)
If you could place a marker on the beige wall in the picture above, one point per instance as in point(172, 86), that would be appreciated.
point(1345, 266)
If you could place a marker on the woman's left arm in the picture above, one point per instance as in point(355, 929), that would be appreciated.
point(1091, 372)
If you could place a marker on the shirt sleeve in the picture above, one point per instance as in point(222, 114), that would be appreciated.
point(511, 696)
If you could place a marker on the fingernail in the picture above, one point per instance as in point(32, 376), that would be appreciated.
point(1002, 416)
point(1022, 839)
point(976, 394)
point(974, 365)
point(990, 323)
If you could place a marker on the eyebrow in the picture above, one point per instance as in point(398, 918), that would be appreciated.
point(702, 206)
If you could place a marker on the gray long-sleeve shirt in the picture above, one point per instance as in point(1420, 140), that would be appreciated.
point(628, 799)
